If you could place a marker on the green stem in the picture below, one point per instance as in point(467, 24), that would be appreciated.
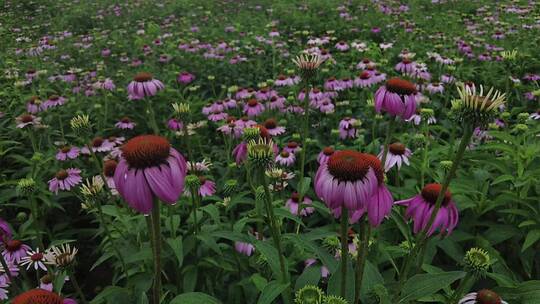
point(151, 117)
point(276, 236)
point(365, 230)
point(344, 249)
point(37, 224)
point(421, 239)
point(305, 132)
point(77, 287)
point(465, 283)
point(156, 235)
point(194, 201)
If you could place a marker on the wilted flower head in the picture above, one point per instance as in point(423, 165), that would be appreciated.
point(61, 256)
point(308, 64)
point(92, 187)
point(476, 107)
point(80, 123)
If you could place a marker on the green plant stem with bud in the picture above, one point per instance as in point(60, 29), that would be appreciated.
point(276, 236)
point(344, 249)
point(365, 231)
point(421, 240)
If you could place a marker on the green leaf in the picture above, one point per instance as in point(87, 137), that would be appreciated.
point(370, 279)
point(212, 211)
point(190, 278)
point(304, 186)
point(271, 255)
point(194, 298)
point(422, 285)
point(310, 276)
point(532, 237)
point(271, 292)
point(334, 283)
point(502, 178)
point(259, 281)
point(284, 213)
point(178, 249)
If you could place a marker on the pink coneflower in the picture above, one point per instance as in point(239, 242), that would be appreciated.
point(325, 154)
point(484, 296)
point(264, 94)
point(272, 127)
point(397, 97)
point(354, 180)
point(326, 106)
point(276, 103)
point(5, 230)
point(65, 180)
point(342, 46)
point(33, 105)
point(41, 296)
point(240, 152)
point(347, 129)
point(364, 80)
point(149, 167)
point(292, 147)
point(125, 123)
point(535, 115)
point(144, 85)
point(175, 124)
point(285, 158)
point(434, 88)
point(27, 120)
point(332, 84)
point(324, 270)
point(244, 248)
point(4, 287)
point(421, 206)
point(53, 101)
point(253, 108)
point(406, 66)
point(293, 204)
point(14, 251)
point(185, 78)
point(217, 116)
point(397, 155)
point(98, 144)
point(446, 78)
point(34, 259)
point(231, 129)
point(67, 152)
point(207, 188)
point(283, 80)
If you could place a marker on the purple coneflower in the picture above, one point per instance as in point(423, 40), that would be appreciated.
point(244, 248)
point(535, 115)
point(293, 204)
point(406, 66)
point(149, 167)
point(292, 147)
point(175, 124)
point(41, 296)
point(364, 80)
point(253, 108)
point(34, 105)
point(53, 101)
point(185, 78)
point(65, 180)
point(434, 88)
point(484, 296)
point(143, 85)
point(5, 230)
point(397, 97)
point(27, 120)
point(285, 158)
point(421, 206)
point(207, 188)
point(14, 251)
point(125, 123)
point(325, 154)
point(397, 155)
point(346, 128)
point(355, 181)
point(4, 287)
point(342, 46)
point(273, 129)
point(98, 144)
point(67, 152)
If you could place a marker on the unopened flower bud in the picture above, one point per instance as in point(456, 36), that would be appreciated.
point(446, 164)
point(334, 300)
point(477, 261)
point(522, 117)
point(26, 186)
point(193, 181)
point(230, 187)
point(309, 294)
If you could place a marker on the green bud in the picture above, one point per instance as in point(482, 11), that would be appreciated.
point(334, 300)
point(505, 115)
point(477, 261)
point(296, 137)
point(331, 242)
point(25, 186)
point(22, 216)
point(193, 181)
point(309, 294)
point(37, 157)
point(520, 128)
point(334, 133)
point(406, 245)
point(446, 164)
point(523, 117)
point(426, 113)
point(261, 153)
point(230, 187)
point(251, 134)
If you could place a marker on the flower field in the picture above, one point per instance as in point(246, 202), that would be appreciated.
point(269, 151)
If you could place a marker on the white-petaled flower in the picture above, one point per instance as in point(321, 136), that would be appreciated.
point(35, 259)
point(61, 256)
point(475, 99)
point(202, 166)
point(484, 296)
point(308, 62)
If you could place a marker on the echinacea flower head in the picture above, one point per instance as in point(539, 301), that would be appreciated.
point(92, 187)
point(261, 152)
point(34, 259)
point(244, 248)
point(40, 296)
point(354, 180)
point(5, 230)
point(61, 256)
point(4, 287)
point(475, 105)
point(65, 180)
point(396, 155)
point(421, 206)
point(15, 250)
point(308, 64)
point(80, 123)
point(144, 85)
point(26, 186)
point(477, 261)
point(149, 168)
point(332, 299)
point(397, 98)
point(484, 296)
point(26, 120)
point(309, 294)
